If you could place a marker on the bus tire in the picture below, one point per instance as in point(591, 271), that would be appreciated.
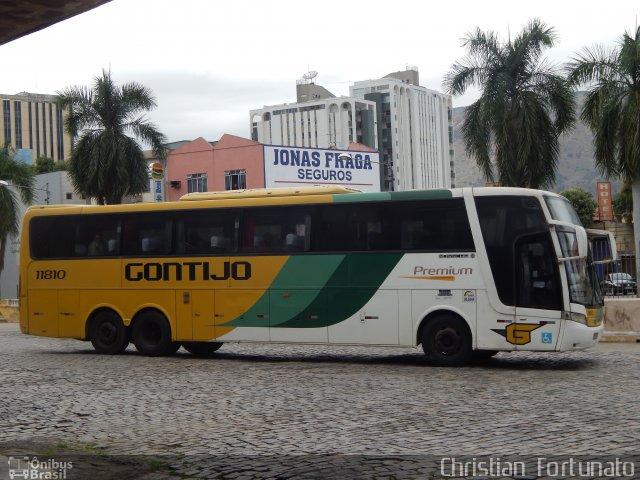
point(201, 348)
point(151, 334)
point(107, 333)
point(446, 341)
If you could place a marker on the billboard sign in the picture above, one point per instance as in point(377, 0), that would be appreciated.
point(605, 202)
point(295, 166)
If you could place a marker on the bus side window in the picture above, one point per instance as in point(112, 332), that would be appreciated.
point(437, 225)
point(206, 232)
point(277, 229)
point(147, 234)
point(97, 236)
point(52, 237)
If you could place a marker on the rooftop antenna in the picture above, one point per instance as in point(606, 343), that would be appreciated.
point(309, 76)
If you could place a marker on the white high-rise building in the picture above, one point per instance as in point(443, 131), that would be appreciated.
point(318, 120)
point(415, 133)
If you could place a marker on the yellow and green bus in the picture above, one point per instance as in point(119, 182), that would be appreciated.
point(463, 272)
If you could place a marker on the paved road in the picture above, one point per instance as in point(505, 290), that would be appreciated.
point(280, 411)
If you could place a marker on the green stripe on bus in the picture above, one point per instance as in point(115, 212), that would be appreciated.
point(314, 291)
point(360, 197)
point(421, 195)
point(392, 196)
point(301, 273)
point(352, 285)
point(307, 271)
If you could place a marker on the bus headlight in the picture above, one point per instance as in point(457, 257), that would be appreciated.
point(578, 317)
point(591, 318)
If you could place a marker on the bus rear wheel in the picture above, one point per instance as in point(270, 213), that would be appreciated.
point(201, 348)
point(108, 334)
point(446, 341)
point(151, 334)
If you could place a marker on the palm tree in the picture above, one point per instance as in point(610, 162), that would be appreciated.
point(21, 177)
point(512, 130)
point(612, 111)
point(106, 163)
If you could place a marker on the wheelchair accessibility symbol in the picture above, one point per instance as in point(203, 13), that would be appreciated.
point(547, 337)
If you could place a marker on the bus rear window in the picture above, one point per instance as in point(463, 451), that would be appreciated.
point(74, 236)
point(52, 237)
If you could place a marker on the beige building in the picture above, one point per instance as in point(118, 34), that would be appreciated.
point(33, 125)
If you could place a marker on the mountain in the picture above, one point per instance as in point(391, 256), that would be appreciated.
point(576, 167)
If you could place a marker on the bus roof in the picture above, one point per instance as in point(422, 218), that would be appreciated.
point(269, 192)
point(279, 196)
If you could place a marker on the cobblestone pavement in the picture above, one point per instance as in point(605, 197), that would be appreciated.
point(282, 411)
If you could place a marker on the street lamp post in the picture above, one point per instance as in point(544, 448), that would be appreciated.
point(47, 198)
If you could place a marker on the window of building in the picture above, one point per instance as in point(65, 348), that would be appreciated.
point(30, 126)
point(44, 128)
point(60, 133)
point(35, 107)
point(51, 130)
point(6, 105)
point(197, 182)
point(17, 107)
point(235, 179)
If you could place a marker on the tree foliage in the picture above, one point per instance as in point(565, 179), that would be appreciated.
point(21, 176)
point(46, 165)
point(612, 106)
point(107, 161)
point(623, 201)
point(583, 203)
point(612, 111)
point(525, 104)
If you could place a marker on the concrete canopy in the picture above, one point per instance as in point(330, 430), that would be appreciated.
point(22, 17)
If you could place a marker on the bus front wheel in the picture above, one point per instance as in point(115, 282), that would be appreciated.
point(151, 334)
point(108, 334)
point(446, 341)
point(201, 348)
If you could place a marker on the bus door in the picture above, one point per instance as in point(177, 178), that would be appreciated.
point(539, 302)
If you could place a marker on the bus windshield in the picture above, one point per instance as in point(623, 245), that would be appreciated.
point(583, 283)
point(584, 287)
point(562, 210)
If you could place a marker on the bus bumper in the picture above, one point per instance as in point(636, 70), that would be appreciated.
point(578, 336)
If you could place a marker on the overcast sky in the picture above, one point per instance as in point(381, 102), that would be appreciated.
point(210, 62)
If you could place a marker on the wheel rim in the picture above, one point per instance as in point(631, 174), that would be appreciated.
point(447, 341)
point(107, 333)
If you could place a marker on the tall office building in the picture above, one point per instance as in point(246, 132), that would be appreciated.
point(33, 125)
point(415, 133)
point(317, 120)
